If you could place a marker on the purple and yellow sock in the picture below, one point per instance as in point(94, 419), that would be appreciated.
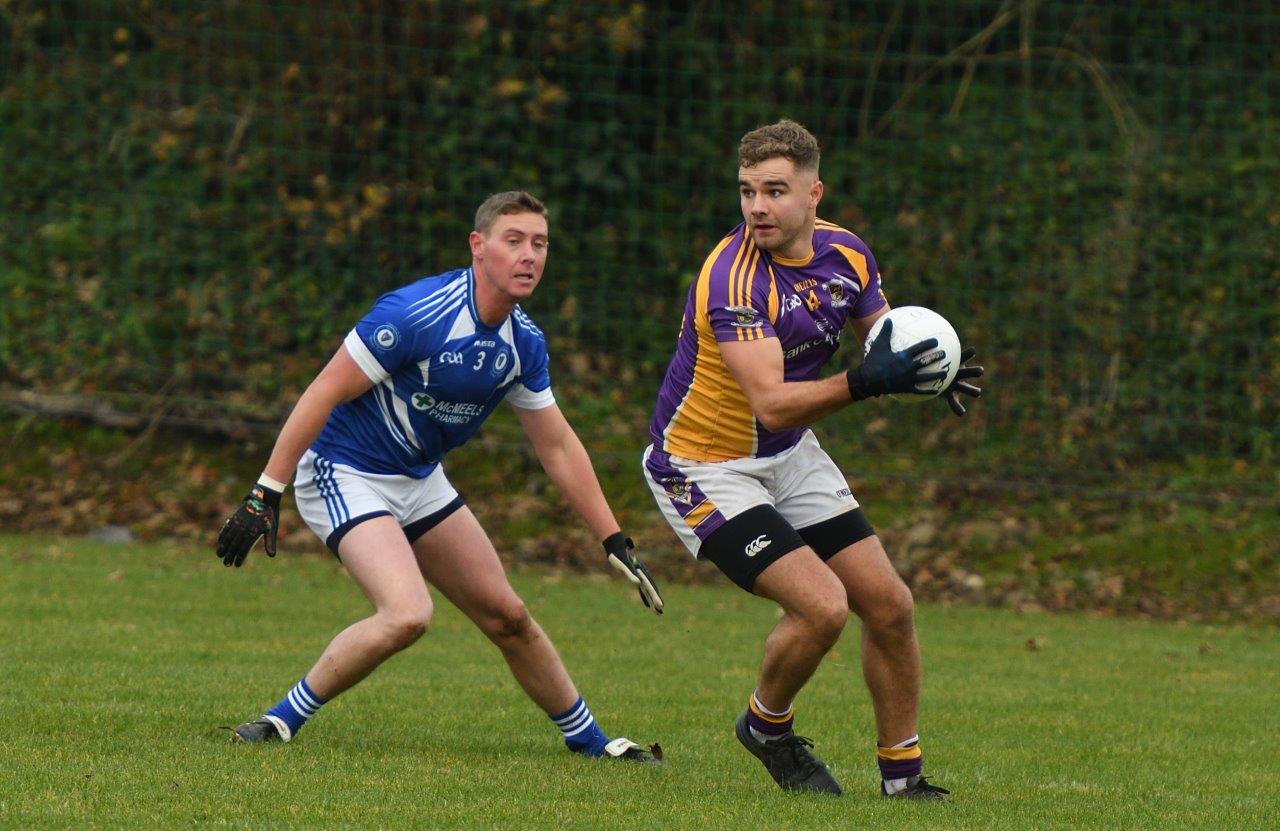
point(767, 725)
point(899, 763)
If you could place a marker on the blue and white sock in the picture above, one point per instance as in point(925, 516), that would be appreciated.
point(581, 733)
point(298, 705)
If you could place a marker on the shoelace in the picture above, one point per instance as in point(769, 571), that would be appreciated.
point(798, 748)
point(923, 785)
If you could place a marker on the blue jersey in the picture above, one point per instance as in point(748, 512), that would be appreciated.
point(438, 372)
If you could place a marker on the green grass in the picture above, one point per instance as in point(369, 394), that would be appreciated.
point(119, 664)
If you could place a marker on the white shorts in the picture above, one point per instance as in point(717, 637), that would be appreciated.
point(334, 498)
point(697, 498)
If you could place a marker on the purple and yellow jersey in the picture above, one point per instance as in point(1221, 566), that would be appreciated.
point(746, 294)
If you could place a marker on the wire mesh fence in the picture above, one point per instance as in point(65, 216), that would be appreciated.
point(201, 198)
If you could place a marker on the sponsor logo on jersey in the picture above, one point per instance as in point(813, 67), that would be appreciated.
point(449, 412)
point(804, 347)
point(805, 285)
point(744, 316)
point(487, 343)
point(756, 546)
point(386, 336)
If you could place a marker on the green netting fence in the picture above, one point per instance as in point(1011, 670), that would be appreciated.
point(198, 199)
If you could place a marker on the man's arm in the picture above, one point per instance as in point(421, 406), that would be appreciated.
point(565, 460)
point(258, 516)
point(781, 405)
point(562, 456)
point(341, 380)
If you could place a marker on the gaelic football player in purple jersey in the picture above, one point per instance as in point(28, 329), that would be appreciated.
point(416, 377)
point(742, 480)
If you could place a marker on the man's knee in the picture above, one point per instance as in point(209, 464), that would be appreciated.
point(894, 612)
point(507, 621)
point(405, 625)
point(826, 616)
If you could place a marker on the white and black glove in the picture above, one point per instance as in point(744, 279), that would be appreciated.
point(618, 548)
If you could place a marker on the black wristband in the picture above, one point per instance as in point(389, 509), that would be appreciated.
point(856, 392)
point(617, 543)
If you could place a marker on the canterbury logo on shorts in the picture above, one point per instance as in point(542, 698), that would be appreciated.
point(757, 545)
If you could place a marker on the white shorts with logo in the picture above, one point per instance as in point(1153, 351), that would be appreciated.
point(697, 498)
point(334, 498)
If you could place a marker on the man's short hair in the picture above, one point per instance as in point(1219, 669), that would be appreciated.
point(786, 138)
point(507, 202)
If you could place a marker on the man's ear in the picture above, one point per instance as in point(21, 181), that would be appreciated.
point(476, 240)
point(815, 193)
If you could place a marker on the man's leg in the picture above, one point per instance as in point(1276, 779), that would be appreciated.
point(457, 558)
point(814, 612)
point(890, 651)
point(890, 662)
point(379, 559)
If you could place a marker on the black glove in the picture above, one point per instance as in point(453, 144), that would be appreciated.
point(959, 385)
point(885, 371)
point(618, 548)
point(257, 517)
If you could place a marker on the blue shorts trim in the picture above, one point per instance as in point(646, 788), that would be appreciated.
point(414, 530)
point(341, 530)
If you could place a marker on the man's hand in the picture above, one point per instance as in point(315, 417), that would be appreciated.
point(618, 548)
point(257, 517)
point(884, 371)
point(959, 385)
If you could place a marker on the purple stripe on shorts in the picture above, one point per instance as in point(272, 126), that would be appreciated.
point(685, 496)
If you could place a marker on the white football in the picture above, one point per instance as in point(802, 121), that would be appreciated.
point(912, 324)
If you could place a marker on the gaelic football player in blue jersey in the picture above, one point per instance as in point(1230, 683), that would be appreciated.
point(364, 444)
point(743, 481)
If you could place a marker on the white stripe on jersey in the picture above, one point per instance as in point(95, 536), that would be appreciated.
point(389, 386)
point(444, 300)
point(434, 297)
point(527, 321)
point(440, 312)
point(402, 413)
point(463, 327)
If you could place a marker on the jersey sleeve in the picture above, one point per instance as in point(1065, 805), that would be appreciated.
point(734, 291)
point(858, 258)
point(382, 341)
point(532, 389)
point(871, 299)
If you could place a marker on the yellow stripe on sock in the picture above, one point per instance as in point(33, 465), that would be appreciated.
point(772, 719)
point(898, 754)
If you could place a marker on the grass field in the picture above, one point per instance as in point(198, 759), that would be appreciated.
point(118, 665)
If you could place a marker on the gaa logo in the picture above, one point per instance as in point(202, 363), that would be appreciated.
point(385, 336)
point(422, 401)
